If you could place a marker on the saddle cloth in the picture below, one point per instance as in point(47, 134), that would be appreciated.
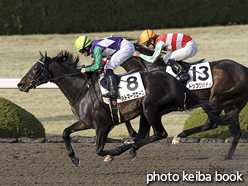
point(200, 76)
point(130, 87)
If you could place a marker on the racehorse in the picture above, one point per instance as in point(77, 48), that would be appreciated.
point(163, 94)
point(230, 89)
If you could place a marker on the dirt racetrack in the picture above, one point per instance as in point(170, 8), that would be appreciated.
point(48, 164)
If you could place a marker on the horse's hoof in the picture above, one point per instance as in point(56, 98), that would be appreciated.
point(228, 157)
point(128, 142)
point(176, 140)
point(133, 158)
point(76, 161)
point(132, 154)
point(109, 158)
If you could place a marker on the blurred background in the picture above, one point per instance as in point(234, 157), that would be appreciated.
point(27, 27)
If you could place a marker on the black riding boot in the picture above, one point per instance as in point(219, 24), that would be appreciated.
point(112, 85)
point(181, 73)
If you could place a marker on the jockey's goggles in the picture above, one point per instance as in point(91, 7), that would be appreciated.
point(147, 43)
point(82, 50)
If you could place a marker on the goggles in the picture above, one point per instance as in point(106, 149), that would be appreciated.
point(147, 43)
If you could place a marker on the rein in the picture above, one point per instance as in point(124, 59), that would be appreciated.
point(35, 80)
point(79, 93)
point(57, 78)
point(143, 64)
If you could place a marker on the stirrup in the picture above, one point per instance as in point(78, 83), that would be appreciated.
point(113, 96)
point(107, 95)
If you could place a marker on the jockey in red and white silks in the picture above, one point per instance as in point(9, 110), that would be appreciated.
point(180, 47)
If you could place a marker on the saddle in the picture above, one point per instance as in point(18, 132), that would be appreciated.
point(186, 66)
point(104, 82)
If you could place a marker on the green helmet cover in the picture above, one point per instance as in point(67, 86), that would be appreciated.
point(82, 42)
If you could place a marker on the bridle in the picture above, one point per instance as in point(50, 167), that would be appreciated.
point(36, 80)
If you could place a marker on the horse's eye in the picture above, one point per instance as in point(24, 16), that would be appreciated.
point(36, 70)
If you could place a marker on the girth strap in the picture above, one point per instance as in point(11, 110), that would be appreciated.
point(114, 110)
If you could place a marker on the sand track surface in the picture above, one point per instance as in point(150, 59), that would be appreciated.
point(48, 164)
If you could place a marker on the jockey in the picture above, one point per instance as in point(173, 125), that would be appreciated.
point(117, 49)
point(180, 47)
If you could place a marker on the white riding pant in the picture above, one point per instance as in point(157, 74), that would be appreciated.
point(186, 52)
point(126, 51)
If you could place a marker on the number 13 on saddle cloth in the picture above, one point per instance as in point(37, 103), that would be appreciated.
point(200, 76)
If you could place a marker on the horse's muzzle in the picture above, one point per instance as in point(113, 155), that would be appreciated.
point(24, 87)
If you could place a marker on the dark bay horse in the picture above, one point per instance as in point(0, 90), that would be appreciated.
point(230, 89)
point(164, 94)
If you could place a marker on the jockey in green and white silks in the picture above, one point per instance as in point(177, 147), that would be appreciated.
point(117, 49)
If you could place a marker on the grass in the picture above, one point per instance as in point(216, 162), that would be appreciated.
point(19, 52)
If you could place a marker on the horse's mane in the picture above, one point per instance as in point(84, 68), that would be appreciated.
point(68, 59)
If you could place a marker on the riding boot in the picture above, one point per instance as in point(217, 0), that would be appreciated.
point(181, 73)
point(112, 84)
point(184, 77)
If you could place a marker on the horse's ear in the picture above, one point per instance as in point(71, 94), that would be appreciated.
point(41, 55)
point(44, 58)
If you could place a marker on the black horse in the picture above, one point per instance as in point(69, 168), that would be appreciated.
point(164, 94)
point(230, 89)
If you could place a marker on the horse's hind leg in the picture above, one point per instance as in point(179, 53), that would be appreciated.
point(130, 129)
point(232, 117)
point(102, 133)
point(207, 126)
point(144, 130)
point(212, 122)
point(66, 136)
point(159, 132)
point(235, 136)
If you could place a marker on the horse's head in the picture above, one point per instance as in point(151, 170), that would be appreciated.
point(37, 75)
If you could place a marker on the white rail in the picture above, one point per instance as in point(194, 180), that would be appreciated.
point(11, 83)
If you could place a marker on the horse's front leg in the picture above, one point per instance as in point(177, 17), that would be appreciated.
point(66, 136)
